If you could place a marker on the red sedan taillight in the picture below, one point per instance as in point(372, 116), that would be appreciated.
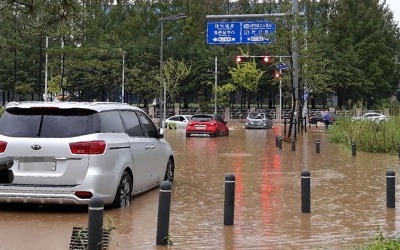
point(3, 146)
point(88, 147)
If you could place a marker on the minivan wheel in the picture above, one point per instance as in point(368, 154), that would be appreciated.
point(124, 191)
point(169, 172)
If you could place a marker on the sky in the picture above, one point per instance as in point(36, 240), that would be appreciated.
point(394, 5)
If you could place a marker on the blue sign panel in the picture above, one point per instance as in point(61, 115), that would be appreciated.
point(257, 32)
point(282, 66)
point(240, 32)
point(223, 33)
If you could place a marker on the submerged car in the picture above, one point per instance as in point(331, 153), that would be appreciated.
point(315, 118)
point(319, 117)
point(177, 121)
point(66, 153)
point(257, 120)
point(213, 125)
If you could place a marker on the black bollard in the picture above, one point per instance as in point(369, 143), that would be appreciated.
point(276, 140)
point(164, 207)
point(95, 228)
point(390, 189)
point(280, 139)
point(317, 147)
point(353, 148)
point(229, 204)
point(293, 145)
point(305, 191)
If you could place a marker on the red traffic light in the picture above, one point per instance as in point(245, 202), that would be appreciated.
point(266, 59)
point(277, 74)
point(242, 59)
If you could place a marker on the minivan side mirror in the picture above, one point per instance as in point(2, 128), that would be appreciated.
point(161, 133)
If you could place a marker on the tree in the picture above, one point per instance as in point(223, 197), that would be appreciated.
point(174, 73)
point(246, 76)
point(363, 61)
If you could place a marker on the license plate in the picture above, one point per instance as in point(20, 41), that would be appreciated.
point(37, 164)
point(200, 128)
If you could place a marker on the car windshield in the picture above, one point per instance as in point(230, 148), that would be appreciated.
point(256, 116)
point(203, 118)
point(44, 122)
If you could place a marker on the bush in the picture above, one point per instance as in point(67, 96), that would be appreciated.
point(369, 136)
point(171, 125)
point(382, 242)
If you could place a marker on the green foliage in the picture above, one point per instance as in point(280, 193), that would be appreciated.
point(223, 93)
point(246, 75)
point(171, 125)
point(96, 35)
point(381, 242)
point(370, 136)
point(363, 62)
point(174, 72)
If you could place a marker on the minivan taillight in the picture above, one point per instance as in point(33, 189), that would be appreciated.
point(3, 146)
point(88, 147)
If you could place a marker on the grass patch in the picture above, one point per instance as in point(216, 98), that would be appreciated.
point(381, 242)
point(369, 136)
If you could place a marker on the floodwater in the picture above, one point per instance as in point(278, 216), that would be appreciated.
point(348, 199)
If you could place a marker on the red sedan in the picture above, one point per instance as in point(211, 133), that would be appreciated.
point(213, 125)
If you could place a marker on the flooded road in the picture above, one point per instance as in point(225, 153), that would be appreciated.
point(348, 199)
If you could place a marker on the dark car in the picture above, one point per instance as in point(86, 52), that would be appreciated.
point(315, 118)
point(318, 117)
point(213, 125)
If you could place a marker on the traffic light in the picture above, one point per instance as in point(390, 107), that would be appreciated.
point(267, 59)
point(242, 59)
point(277, 74)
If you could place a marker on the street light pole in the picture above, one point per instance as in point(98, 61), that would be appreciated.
point(163, 90)
point(45, 71)
point(160, 102)
point(215, 86)
point(123, 78)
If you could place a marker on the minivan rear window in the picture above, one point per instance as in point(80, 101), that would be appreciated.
point(45, 122)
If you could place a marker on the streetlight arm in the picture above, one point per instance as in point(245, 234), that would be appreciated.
point(173, 17)
point(163, 89)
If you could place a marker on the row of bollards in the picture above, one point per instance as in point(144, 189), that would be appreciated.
point(96, 207)
point(279, 139)
point(229, 200)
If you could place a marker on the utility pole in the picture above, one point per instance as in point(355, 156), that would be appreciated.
point(295, 72)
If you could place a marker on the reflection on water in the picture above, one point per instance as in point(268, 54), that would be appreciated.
point(348, 199)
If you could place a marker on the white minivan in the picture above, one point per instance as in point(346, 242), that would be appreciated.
point(68, 152)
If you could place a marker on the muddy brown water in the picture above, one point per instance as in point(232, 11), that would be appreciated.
point(348, 199)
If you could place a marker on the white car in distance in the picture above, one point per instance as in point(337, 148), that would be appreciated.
point(178, 121)
point(371, 116)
